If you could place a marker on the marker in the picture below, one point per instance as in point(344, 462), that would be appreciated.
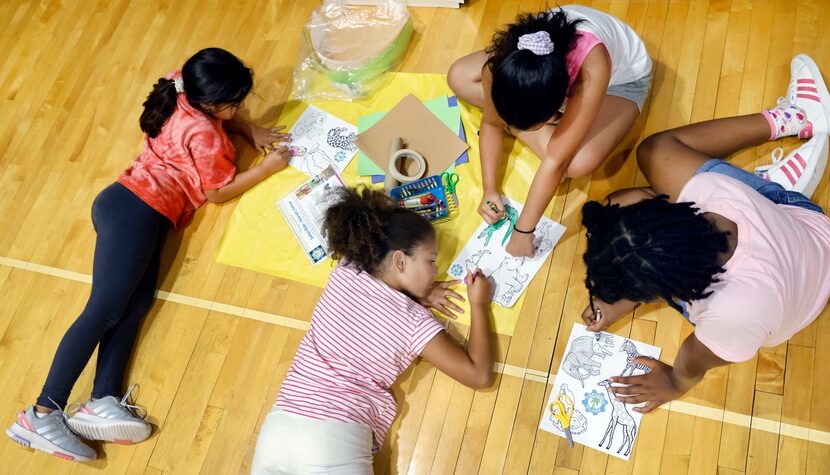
point(474, 276)
point(418, 200)
point(430, 208)
point(597, 317)
point(493, 207)
point(421, 207)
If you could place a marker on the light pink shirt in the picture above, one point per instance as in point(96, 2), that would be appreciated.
point(776, 282)
point(363, 335)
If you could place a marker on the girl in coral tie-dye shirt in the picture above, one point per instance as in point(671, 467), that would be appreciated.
point(186, 160)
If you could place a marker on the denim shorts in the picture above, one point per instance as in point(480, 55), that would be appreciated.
point(770, 190)
point(635, 91)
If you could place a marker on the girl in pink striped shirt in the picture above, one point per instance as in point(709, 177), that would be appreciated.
point(335, 407)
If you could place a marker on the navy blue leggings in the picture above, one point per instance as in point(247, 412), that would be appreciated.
point(130, 237)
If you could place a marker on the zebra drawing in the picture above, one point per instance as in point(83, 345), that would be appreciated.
point(631, 350)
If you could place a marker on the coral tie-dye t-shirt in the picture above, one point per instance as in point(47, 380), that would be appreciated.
point(191, 153)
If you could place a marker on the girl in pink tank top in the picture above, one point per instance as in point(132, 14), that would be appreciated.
point(578, 55)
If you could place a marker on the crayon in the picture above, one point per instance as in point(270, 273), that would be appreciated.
point(418, 200)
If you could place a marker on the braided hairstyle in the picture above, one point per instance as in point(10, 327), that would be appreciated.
point(528, 88)
point(651, 249)
point(365, 225)
point(212, 76)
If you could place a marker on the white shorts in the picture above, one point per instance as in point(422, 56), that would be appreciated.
point(293, 444)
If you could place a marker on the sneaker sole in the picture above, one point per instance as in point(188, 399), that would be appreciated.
point(32, 440)
point(821, 87)
point(120, 432)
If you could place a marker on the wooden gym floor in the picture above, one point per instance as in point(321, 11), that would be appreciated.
point(218, 342)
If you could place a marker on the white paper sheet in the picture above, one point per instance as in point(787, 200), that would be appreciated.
point(304, 209)
point(510, 275)
point(598, 421)
point(319, 139)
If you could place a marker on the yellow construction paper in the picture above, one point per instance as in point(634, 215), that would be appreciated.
point(257, 237)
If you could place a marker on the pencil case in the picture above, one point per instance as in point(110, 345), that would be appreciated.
point(430, 184)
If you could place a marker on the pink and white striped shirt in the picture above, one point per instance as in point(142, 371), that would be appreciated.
point(363, 335)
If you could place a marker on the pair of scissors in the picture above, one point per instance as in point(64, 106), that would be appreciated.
point(565, 409)
point(450, 179)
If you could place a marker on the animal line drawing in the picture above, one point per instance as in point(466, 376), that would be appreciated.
point(320, 139)
point(593, 359)
point(474, 262)
point(486, 250)
point(579, 362)
point(631, 350)
point(578, 421)
point(619, 416)
point(311, 160)
point(310, 124)
point(511, 279)
point(541, 244)
point(340, 137)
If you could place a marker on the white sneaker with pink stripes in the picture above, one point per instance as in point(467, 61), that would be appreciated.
point(802, 169)
point(808, 93)
point(805, 110)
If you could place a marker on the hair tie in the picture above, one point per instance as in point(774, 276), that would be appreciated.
point(178, 83)
point(539, 43)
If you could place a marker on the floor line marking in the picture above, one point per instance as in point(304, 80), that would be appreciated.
point(681, 407)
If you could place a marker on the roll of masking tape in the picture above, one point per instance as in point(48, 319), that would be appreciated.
point(401, 156)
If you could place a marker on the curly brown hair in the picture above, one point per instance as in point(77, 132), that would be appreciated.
point(365, 225)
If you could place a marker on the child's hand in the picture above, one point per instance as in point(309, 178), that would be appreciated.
point(491, 215)
point(478, 287)
point(520, 245)
point(263, 138)
point(608, 314)
point(438, 298)
point(276, 160)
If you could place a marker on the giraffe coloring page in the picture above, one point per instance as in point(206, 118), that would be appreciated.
point(509, 275)
point(319, 139)
point(589, 360)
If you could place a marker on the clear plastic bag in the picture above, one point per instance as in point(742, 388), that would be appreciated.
point(346, 48)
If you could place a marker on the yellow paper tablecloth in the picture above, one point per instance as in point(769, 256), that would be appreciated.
point(257, 237)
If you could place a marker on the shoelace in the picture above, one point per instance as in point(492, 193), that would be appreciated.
point(134, 409)
point(777, 154)
point(65, 426)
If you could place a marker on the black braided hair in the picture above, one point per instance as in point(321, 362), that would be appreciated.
point(365, 225)
point(649, 250)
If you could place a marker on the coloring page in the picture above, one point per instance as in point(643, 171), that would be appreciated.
point(304, 209)
point(509, 275)
point(319, 139)
point(598, 421)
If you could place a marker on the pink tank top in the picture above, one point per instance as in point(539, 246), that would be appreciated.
point(584, 43)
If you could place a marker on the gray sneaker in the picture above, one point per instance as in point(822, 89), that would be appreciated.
point(110, 419)
point(49, 434)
